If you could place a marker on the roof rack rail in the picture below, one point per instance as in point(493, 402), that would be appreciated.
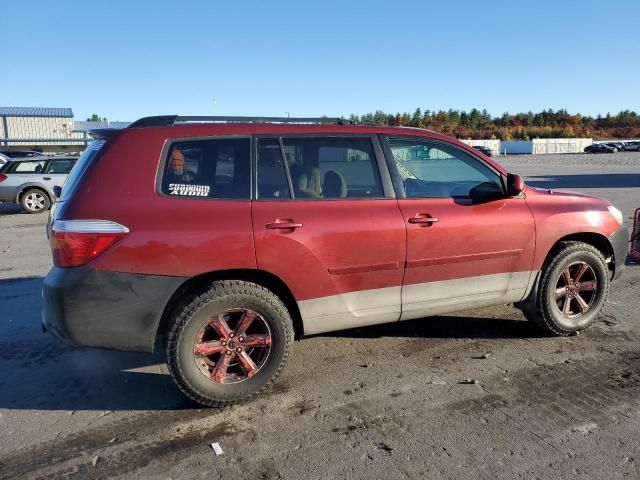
point(168, 120)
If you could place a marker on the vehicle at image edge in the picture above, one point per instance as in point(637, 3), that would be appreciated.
point(30, 181)
point(20, 153)
point(218, 241)
point(3, 159)
point(486, 150)
point(632, 146)
point(599, 148)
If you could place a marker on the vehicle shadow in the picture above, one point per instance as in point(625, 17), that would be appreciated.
point(599, 180)
point(454, 327)
point(39, 372)
point(11, 209)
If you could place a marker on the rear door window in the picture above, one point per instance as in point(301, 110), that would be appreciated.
point(209, 168)
point(332, 167)
point(27, 167)
point(60, 166)
point(272, 174)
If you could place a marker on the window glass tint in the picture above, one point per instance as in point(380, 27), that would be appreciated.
point(437, 170)
point(332, 167)
point(272, 176)
point(28, 167)
point(83, 164)
point(216, 168)
point(60, 166)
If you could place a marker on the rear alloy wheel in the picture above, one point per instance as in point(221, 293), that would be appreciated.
point(229, 343)
point(35, 201)
point(573, 289)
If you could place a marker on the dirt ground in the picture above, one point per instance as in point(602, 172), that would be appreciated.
point(377, 402)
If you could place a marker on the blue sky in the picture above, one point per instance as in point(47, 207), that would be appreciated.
point(127, 59)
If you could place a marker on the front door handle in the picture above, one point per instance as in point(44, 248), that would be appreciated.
point(283, 224)
point(423, 219)
point(46, 178)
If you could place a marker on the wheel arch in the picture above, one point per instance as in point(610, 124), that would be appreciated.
point(594, 239)
point(200, 282)
point(33, 186)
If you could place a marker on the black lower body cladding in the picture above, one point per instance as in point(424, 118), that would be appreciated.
point(620, 244)
point(90, 308)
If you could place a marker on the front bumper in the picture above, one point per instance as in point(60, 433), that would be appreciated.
point(90, 308)
point(620, 242)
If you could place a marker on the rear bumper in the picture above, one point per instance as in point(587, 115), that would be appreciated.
point(90, 308)
point(620, 243)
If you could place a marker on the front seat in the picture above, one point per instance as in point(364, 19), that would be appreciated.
point(334, 185)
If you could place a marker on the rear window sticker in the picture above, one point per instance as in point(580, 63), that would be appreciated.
point(189, 190)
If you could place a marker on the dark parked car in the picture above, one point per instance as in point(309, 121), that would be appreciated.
point(486, 150)
point(599, 148)
point(20, 153)
point(617, 146)
point(219, 241)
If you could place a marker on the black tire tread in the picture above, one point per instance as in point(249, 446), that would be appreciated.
point(541, 315)
point(216, 290)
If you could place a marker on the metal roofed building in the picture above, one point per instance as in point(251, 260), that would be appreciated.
point(46, 129)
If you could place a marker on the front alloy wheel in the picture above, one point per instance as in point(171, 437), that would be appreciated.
point(574, 283)
point(576, 289)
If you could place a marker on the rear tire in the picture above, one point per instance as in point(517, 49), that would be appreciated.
point(213, 359)
point(574, 285)
point(35, 200)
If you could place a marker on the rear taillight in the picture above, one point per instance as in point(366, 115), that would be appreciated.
point(3, 177)
point(77, 242)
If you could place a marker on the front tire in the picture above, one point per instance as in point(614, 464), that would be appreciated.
point(573, 288)
point(35, 201)
point(229, 343)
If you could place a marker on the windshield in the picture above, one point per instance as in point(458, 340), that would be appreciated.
point(81, 166)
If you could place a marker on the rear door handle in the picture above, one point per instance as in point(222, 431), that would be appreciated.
point(283, 224)
point(423, 219)
point(46, 178)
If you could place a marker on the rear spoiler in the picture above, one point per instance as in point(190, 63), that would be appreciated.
point(103, 133)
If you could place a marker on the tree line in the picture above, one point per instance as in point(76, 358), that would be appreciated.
point(479, 124)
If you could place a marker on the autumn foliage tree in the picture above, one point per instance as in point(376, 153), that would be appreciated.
point(520, 126)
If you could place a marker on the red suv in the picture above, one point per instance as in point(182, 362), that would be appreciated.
point(220, 240)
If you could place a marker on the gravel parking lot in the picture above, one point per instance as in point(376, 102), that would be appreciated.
point(377, 402)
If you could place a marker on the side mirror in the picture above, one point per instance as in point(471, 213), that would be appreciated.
point(515, 185)
point(57, 191)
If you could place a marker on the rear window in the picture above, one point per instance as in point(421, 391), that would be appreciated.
point(26, 167)
point(82, 165)
point(210, 168)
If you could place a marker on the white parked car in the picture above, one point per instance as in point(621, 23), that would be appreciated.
point(30, 181)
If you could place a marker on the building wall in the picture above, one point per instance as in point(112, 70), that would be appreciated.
point(516, 147)
point(41, 128)
point(559, 145)
point(494, 145)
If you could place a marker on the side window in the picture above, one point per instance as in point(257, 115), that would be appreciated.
point(214, 168)
point(29, 167)
point(437, 170)
point(60, 166)
point(272, 175)
point(332, 167)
